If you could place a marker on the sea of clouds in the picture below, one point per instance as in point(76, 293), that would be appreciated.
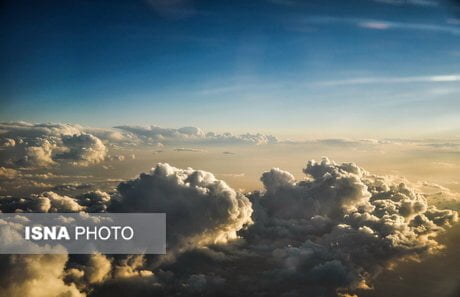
point(330, 233)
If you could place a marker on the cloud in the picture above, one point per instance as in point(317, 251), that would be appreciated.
point(342, 224)
point(7, 173)
point(8, 142)
point(188, 150)
point(450, 29)
point(450, 146)
point(72, 187)
point(453, 21)
point(330, 233)
point(421, 3)
point(375, 24)
point(425, 3)
point(118, 157)
point(232, 174)
point(392, 80)
point(95, 201)
point(40, 154)
point(155, 134)
point(34, 276)
point(45, 145)
point(439, 195)
point(29, 130)
point(444, 164)
point(95, 270)
point(84, 149)
point(200, 208)
point(45, 202)
point(112, 135)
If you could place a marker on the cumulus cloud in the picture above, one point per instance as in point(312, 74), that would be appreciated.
point(8, 142)
point(328, 234)
point(201, 209)
point(45, 202)
point(155, 134)
point(342, 225)
point(39, 154)
point(84, 149)
point(7, 173)
point(130, 267)
point(35, 276)
point(44, 145)
point(117, 157)
point(94, 271)
point(96, 201)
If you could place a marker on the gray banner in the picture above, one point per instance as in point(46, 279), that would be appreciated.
point(82, 233)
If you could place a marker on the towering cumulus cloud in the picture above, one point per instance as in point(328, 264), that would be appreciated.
point(329, 234)
point(200, 208)
point(342, 225)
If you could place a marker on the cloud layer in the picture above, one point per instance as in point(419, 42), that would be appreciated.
point(155, 134)
point(330, 233)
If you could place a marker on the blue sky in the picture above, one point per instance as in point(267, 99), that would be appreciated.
point(311, 68)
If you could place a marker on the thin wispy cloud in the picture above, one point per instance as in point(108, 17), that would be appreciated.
point(391, 80)
point(184, 149)
point(421, 3)
point(427, 3)
point(410, 26)
point(373, 24)
point(453, 21)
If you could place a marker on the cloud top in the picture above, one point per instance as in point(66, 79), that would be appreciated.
point(330, 233)
point(45, 145)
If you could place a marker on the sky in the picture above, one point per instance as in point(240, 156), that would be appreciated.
point(360, 68)
point(247, 215)
point(299, 148)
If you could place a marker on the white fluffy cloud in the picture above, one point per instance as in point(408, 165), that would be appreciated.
point(327, 234)
point(341, 224)
point(330, 233)
point(83, 149)
point(201, 209)
point(43, 145)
